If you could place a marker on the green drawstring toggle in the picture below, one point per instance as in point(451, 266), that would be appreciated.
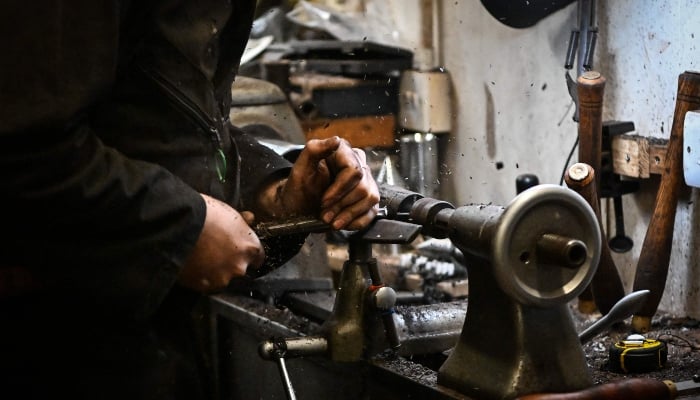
point(220, 161)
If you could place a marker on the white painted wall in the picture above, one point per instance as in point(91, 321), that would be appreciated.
point(645, 46)
point(512, 106)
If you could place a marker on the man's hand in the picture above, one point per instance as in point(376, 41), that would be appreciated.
point(226, 247)
point(331, 180)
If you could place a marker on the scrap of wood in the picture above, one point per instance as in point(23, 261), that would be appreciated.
point(638, 156)
point(368, 131)
point(314, 81)
point(630, 156)
point(657, 155)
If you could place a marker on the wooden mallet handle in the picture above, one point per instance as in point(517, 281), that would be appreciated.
point(590, 88)
point(652, 267)
point(606, 284)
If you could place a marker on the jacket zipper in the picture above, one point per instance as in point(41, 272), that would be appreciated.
point(199, 116)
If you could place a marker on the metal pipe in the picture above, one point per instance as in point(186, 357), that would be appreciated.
point(561, 250)
point(288, 388)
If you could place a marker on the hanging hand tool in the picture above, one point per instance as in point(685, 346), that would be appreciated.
point(590, 87)
point(652, 267)
point(612, 186)
point(581, 48)
point(620, 243)
point(579, 54)
point(635, 388)
point(606, 284)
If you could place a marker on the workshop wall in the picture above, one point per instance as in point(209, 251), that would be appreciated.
point(513, 114)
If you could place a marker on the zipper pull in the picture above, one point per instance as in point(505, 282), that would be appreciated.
point(219, 155)
point(220, 164)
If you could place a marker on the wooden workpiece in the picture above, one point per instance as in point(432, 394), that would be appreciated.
point(637, 156)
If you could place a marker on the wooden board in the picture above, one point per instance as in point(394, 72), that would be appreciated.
point(368, 131)
point(638, 156)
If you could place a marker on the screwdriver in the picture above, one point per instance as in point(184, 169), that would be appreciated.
point(635, 388)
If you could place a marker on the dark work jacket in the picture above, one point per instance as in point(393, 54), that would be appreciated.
point(113, 116)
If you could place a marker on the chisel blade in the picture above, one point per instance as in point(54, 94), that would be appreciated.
point(688, 387)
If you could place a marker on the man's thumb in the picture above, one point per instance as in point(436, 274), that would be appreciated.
point(319, 149)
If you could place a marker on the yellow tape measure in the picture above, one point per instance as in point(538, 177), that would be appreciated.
point(637, 354)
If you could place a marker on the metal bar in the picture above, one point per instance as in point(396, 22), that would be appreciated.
point(288, 389)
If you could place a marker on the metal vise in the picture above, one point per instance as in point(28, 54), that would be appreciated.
point(348, 334)
point(362, 303)
point(525, 262)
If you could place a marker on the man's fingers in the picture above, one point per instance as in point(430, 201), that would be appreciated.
point(348, 199)
point(355, 209)
point(361, 155)
point(363, 220)
point(355, 216)
point(351, 169)
point(333, 173)
point(345, 182)
point(319, 149)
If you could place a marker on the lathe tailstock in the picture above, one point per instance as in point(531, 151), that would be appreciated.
point(526, 262)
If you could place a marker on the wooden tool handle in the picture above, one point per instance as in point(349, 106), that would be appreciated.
point(652, 267)
point(635, 388)
point(590, 87)
point(606, 285)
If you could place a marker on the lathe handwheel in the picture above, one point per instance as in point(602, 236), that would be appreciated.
point(520, 266)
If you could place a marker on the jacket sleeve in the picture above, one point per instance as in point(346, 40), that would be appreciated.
point(259, 166)
point(83, 218)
